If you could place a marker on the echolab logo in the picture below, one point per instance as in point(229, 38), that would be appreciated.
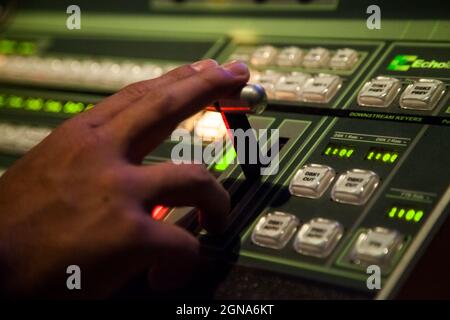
point(403, 62)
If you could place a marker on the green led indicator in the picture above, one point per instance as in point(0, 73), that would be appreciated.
point(407, 214)
point(448, 110)
point(26, 48)
point(89, 107)
point(7, 46)
point(341, 151)
point(386, 157)
point(73, 107)
point(393, 158)
point(410, 214)
point(53, 106)
point(349, 153)
point(15, 102)
point(34, 104)
point(418, 216)
point(393, 212)
point(2, 100)
point(226, 160)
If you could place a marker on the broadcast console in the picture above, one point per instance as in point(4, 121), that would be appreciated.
point(363, 116)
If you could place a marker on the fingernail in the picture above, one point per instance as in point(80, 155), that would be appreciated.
point(204, 64)
point(236, 68)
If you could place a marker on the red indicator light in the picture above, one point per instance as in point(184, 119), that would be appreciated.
point(159, 212)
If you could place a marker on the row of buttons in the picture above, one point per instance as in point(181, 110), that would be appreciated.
point(318, 238)
point(298, 86)
point(422, 94)
point(88, 72)
point(315, 58)
point(352, 187)
point(18, 139)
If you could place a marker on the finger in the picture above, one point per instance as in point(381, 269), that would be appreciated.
point(111, 106)
point(172, 246)
point(156, 114)
point(186, 185)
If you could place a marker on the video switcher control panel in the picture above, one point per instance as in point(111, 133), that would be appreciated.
point(364, 123)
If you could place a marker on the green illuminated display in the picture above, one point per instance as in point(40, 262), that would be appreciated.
point(34, 104)
point(53, 106)
point(38, 104)
point(403, 62)
point(406, 214)
point(23, 48)
point(381, 155)
point(73, 107)
point(340, 151)
point(15, 102)
point(226, 160)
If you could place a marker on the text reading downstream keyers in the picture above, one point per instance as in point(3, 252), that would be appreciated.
point(311, 86)
point(319, 236)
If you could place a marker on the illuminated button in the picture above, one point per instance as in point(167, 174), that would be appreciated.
point(311, 181)
point(210, 126)
point(274, 230)
point(53, 106)
point(264, 56)
point(18, 139)
point(316, 58)
point(344, 59)
point(268, 80)
point(423, 94)
point(379, 92)
point(355, 186)
point(240, 56)
point(318, 237)
point(322, 88)
point(376, 246)
point(290, 57)
point(289, 87)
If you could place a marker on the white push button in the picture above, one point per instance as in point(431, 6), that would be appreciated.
point(316, 58)
point(264, 56)
point(344, 59)
point(311, 181)
point(355, 186)
point(423, 94)
point(274, 230)
point(290, 86)
point(376, 246)
point(268, 80)
point(322, 88)
point(290, 57)
point(210, 126)
point(318, 237)
point(379, 92)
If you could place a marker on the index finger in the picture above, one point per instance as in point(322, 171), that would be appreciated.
point(154, 116)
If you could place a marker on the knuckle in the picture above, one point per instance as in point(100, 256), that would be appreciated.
point(137, 89)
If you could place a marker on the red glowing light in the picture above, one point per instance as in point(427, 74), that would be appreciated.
point(159, 212)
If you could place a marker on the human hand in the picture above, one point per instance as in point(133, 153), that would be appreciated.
point(80, 196)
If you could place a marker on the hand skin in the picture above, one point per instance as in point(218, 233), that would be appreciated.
point(82, 197)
